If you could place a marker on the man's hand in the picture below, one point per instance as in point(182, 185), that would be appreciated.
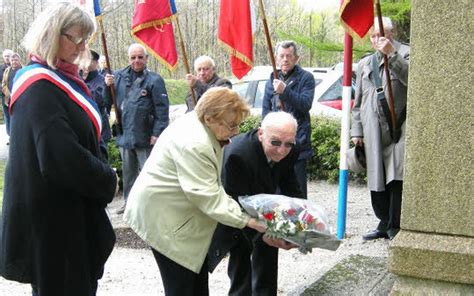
point(279, 86)
point(358, 141)
point(278, 243)
point(109, 79)
point(385, 46)
point(191, 79)
point(153, 140)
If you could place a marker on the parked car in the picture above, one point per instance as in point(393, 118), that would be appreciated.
point(327, 95)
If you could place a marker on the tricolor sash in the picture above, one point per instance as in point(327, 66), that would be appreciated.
point(32, 73)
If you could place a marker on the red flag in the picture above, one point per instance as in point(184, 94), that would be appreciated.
point(152, 27)
point(357, 16)
point(235, 33)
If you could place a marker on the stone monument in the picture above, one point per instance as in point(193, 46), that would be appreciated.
point(434, 252)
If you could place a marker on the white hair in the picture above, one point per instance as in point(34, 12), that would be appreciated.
point(387, 23)
point(278, 119)
point(204, 59)
point(7, 52)
point(134, 45)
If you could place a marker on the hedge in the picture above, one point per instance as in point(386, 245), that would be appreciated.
point(325, 140)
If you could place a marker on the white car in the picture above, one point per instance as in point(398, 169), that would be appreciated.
point(327, 94)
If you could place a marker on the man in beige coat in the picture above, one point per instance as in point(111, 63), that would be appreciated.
point(384, 145)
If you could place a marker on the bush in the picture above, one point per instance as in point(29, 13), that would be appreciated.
point(115, 160)
point(325, 141)
point(177, 91)
point(250, 123)
point(326, 144)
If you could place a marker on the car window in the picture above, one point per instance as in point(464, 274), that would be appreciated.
point(259, 94)
point(241, 89)
point(334, 92)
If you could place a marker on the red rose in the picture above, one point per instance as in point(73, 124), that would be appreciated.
point(291, 212)
point(268, 216)
point(308, 218)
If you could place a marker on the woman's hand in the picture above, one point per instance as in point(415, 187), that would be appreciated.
point(254, 224)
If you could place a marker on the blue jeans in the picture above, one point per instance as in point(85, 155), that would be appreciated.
point(133, 161)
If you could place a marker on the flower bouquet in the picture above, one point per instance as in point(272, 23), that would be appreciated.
point(295, 220)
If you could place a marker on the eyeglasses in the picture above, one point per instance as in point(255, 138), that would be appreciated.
point(136, 57)
point(76, 40)
point(278, 143)
point(230, 128)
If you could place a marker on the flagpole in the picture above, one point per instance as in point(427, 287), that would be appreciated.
point(269, 44)
point(345, 138)
point(185, 59)
point(118, 116)
point(387, 71)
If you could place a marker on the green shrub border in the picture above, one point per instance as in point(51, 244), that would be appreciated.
point(325, 141)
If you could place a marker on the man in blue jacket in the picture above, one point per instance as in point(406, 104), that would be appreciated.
point(293, 92)
point(143, 103)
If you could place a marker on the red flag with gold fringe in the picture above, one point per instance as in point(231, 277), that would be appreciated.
point(152, 27)
point(236, 27)
point(357, 16)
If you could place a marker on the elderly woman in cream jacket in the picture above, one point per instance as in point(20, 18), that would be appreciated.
point(178, 198)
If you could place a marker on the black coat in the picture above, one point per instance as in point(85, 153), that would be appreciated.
point(246, 172)
point(54, 230)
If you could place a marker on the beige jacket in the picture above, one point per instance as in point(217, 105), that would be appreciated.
point(178, 197)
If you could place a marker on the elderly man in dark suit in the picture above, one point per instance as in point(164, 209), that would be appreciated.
point(259, 161)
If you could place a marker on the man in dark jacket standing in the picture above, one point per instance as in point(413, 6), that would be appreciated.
point(292, 91)
point(95, 83)
point(259, 161)
point(205, 78)
point(143, 103)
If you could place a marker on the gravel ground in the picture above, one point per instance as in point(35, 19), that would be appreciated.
point(133, 272)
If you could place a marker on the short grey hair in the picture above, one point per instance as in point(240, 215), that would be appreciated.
point(387, 24)
point(278, 119)
point(204, 59)
point(7, 51)
point(43, 36)
point(287, 44)
point(133, 45)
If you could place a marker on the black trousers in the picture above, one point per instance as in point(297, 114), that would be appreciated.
point(301, 176)
point(387, 207)
point(253, 268)
point(180, 281)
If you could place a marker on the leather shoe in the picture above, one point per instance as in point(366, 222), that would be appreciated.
point(374, 235)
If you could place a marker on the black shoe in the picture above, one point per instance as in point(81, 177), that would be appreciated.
point(374, 235)
point(392, 233)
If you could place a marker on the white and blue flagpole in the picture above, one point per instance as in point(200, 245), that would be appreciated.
point(345, 126)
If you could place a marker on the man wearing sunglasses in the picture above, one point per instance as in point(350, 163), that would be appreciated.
point(259, 161)
point(143, 103)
